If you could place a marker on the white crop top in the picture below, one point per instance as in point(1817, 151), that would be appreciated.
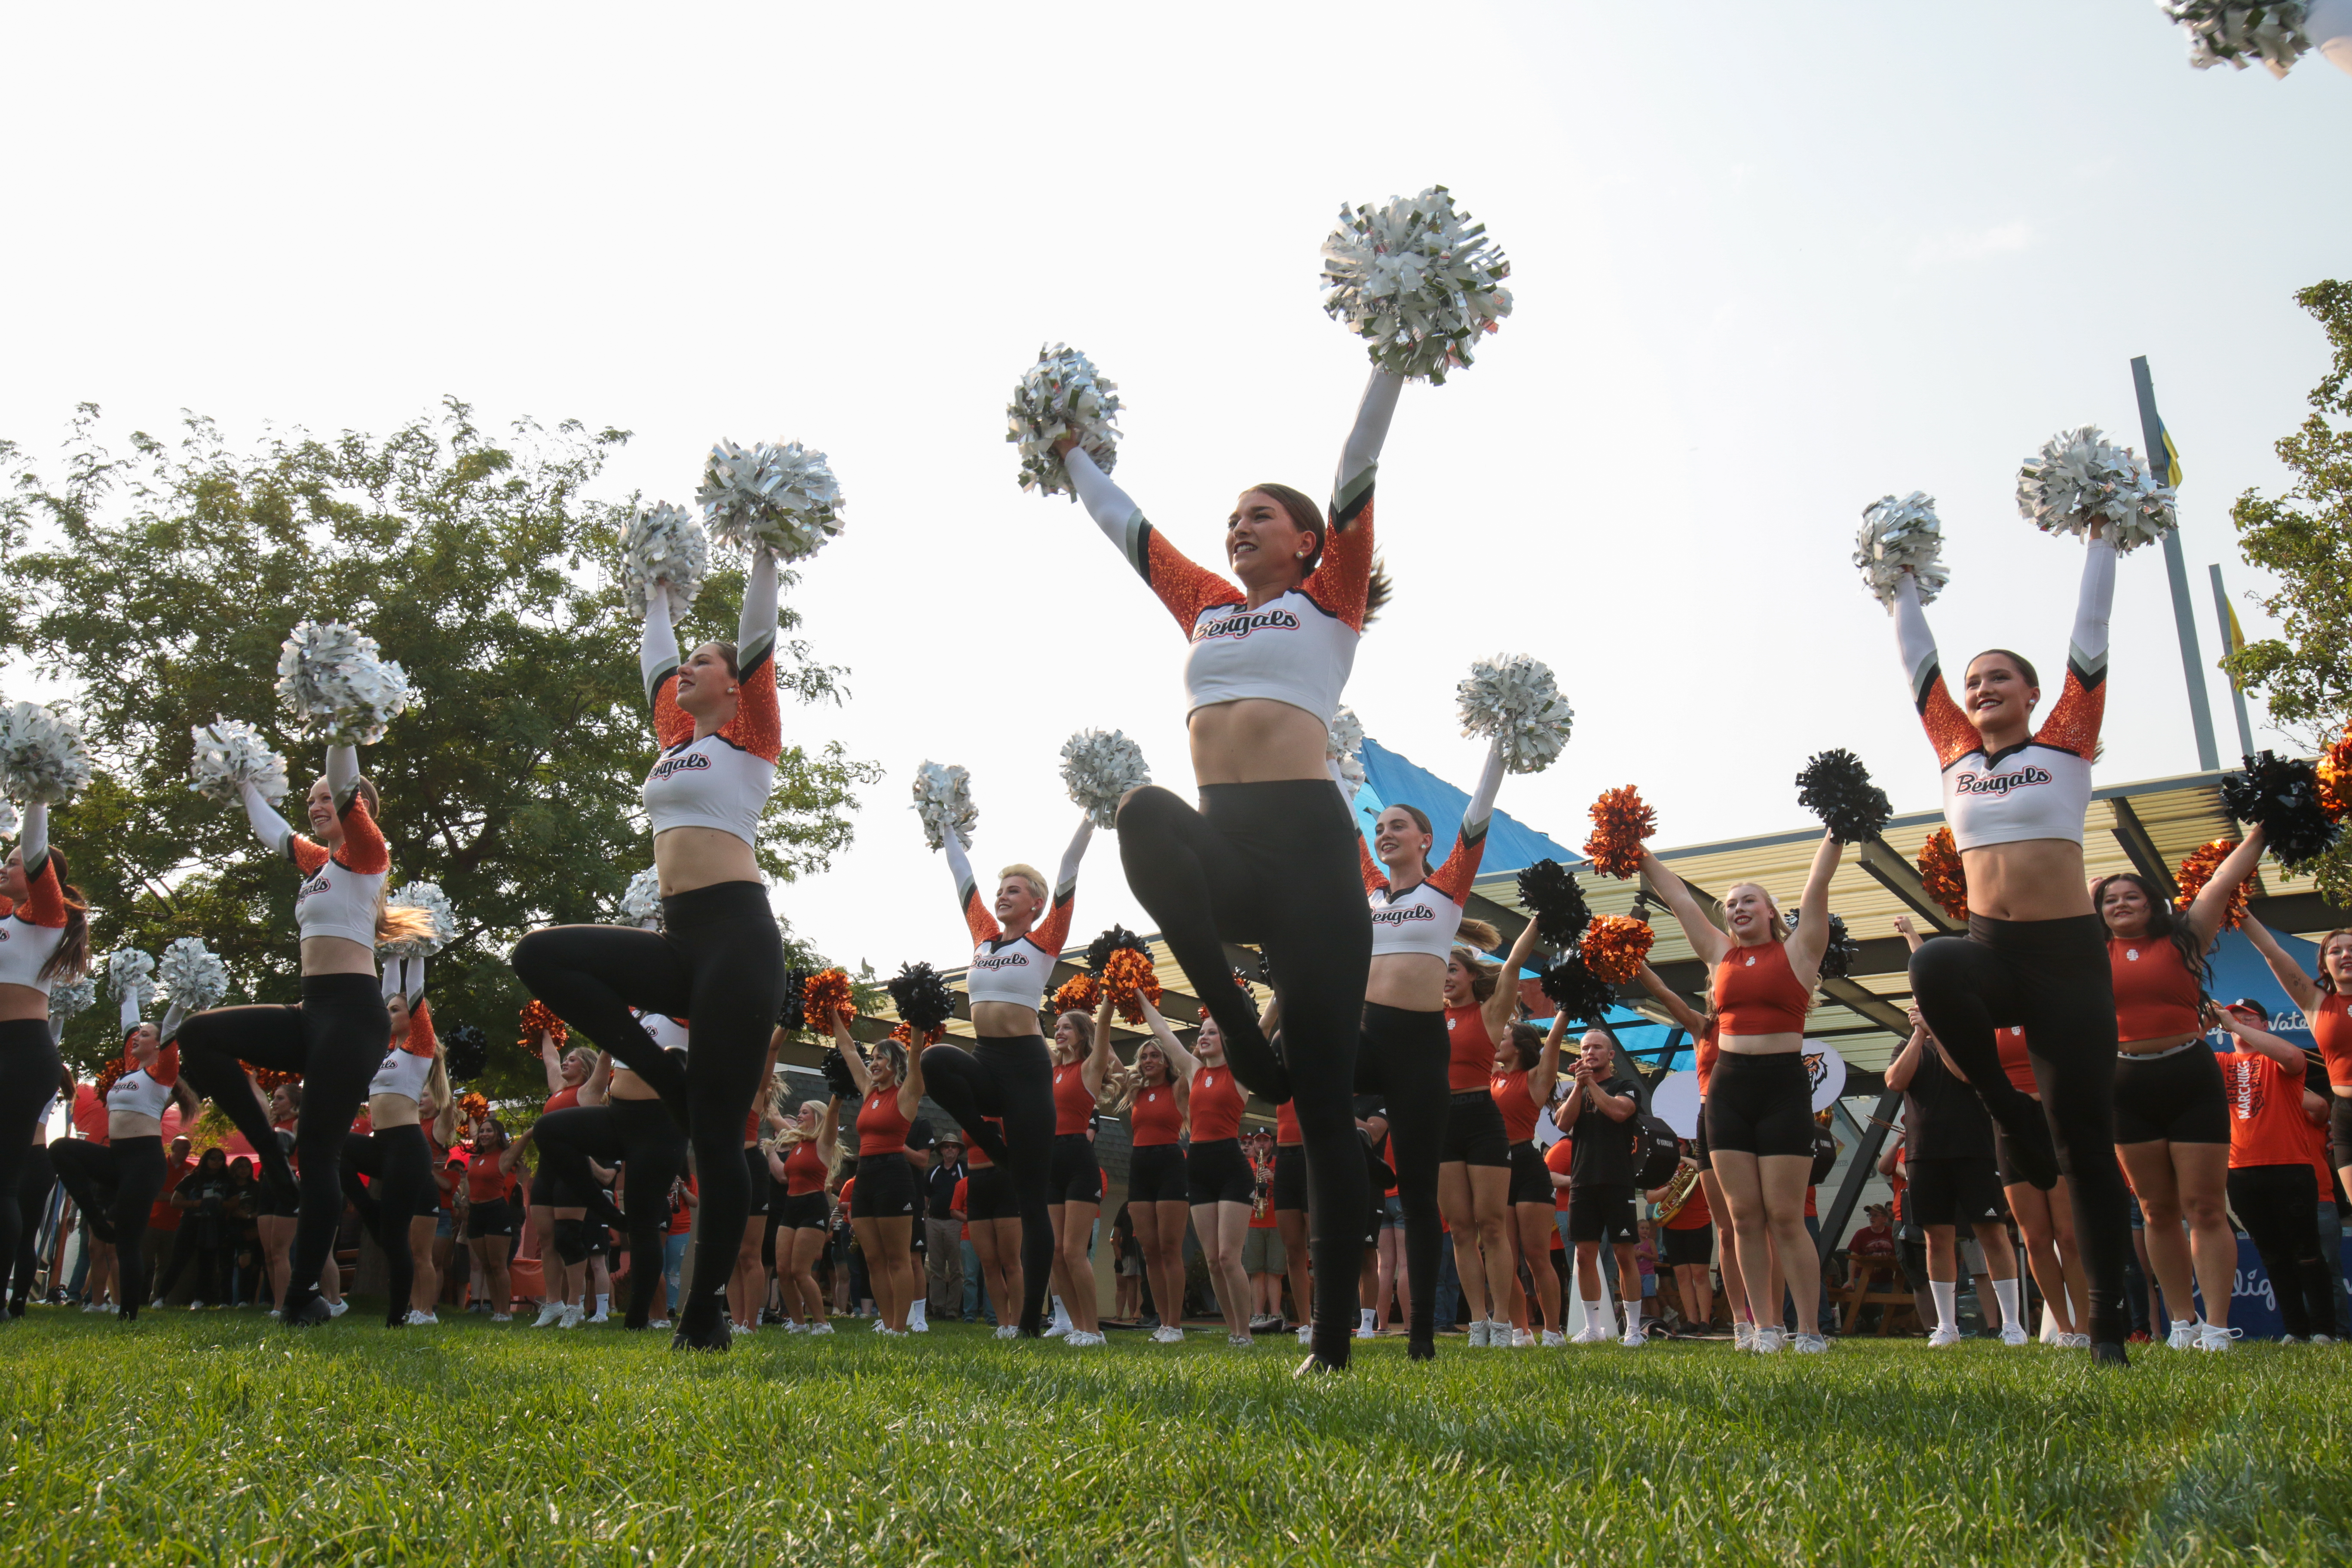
point(1297, 647)
point(1017, 972)
point(1426, 916)
point(146, 1091)
point(407, 1063)
point(340, 892)
point(29, 935)
point(2041, 787)
point(670, 1034)
point(722, 780)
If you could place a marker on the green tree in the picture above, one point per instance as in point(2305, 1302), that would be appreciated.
point(158, 585)
point(2304, 537)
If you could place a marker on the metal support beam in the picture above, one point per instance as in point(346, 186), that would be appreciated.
point(2140, 849)
point(2175, 571)
point(1866, 1162)
point(1892, 871)
point(1869, 1003)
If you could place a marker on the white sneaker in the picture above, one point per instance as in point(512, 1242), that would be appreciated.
point(2015, 1334)
point(919, 1326)
point(2213, 1337)
point(1165, 1335)
point(193, 1306)
point(1634, 1339)
point(2183, 1336)
point(1244, 1341)
point(1079, 1338)
point(548, 1315)
point(1307, 1334)
point(1364, 1333)
point(1743, 1334)
point(2321, 1340)
point(1055, 1331)
point(1944, 1335)
point(336, 1308)
point(495, 1316)
point(1553, 1339)
point(1809, 1344)
point(1478, 1333)
point(880, 1326)
point(573, 1316)
point(816, 1328)
point(603, 1316)
point(1771, 1338)
point(1521, 1340)
point(739, 1329)
point(276, 1314)
point(2075, 1342)
point(418, 1320)
point(890, 1333)
point(1003, 1331)
point(1594, 1332)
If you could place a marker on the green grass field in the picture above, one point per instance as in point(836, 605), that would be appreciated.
point(216, 1438)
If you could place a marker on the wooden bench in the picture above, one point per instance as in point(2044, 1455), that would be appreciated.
point(1877, 1282)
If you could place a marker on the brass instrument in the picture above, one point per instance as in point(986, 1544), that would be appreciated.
point(1678, 1192)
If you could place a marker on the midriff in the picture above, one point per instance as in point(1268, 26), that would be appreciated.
point(336, 955)
point(1410, 981)
point(2027, 879)
point(1003, 1020)
point(19, 1002)
point(1256, 740)
point(690, 857)
point(391, 1110)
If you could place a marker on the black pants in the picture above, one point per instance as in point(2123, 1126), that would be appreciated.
point(644, 1139)
point(719, 962)
point(1013, 1080)
point(1405, 1060)
point(120, 1181)
point(2279, 1206)
point(204, 1243)
point(335, 1038)
point(28, 1077)
point(34, 1183)
point(2051, 976)
point(398, 1164)
point(1274, 864)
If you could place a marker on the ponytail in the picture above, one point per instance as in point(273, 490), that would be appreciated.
point(71, 958)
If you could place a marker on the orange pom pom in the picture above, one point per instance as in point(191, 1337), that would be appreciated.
point(270, 1078)
point(1127, 975)
point(1615, 947)
point(905, 1035)
point(1620, 823)
point(1079, 994)
point(539, 1018)
point(110, 1072)
point(825, 994)
point(473, 1106)
point(2198, 870)
point(1945, 879)
point(2336, 778)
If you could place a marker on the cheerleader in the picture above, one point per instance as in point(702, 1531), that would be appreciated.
point(1706, 1032)
point(556, 1205)
point(489, 1217)
point(335, 1036)
point(1416, 917)
point(275, 1218)
point(803, 1156)
point(1474, 1172)
point(1526, 1067)
point(1079, 1071)
point(884, 1200)
point(1290, 1211)
point(2172, 1115)
point(747, 1287)
point(993, 1217)
point(116, 1183)
point(1159, 1190)
point(2270, 1189)
point(719, 958)
point(1759, 1106)
point(46, 924)
point(34, 1183)
point(401, 1201)
point(1266, 857)
point(2323, 1001)
point(2014, 797)
point(1220, 1184)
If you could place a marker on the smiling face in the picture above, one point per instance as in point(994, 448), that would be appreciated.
point(1998, 698)
point(1069, 1037)
point(1211, 1045)
point(2336, 961)
point(320, 806)
point(576, 1065)
point(1265, 547)
point(1748, 911)
point(12, 884)
point(144, 1042)
point(1460, 981)
point(1151, 1065)
point(707, 686)
point(1401, 843)
point(2125, 908)
point(1017, 902)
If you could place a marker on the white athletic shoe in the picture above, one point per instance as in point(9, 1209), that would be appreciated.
point(816, 1328)
point(1079, 1339)
point(1165, 1335)
point(1003, 1331)
point(2213, 1337)
point(1364, 1333)
point(573, 1316)
point(603, 1315)
point(495, 1316)
point(193, 1306)
point(418, 1320)
point(1743, 1334)
point(2075, 1342)
point(891, 1333)
point(1809, 1344)
point(1307, 1334)
point(1771, 1338)
point(336, 1308)
point(2015, 1334)
point(919, 1326)
point(2321, 1340)
point(1634, 1339)
point(1594, 1332)
point(548, 1315)
point(1944, 1335)
point(276, 1314)
point(1553, 1339)
point(1244, 1341)
point(1521, 1340)
point(1055, 1331)
point(2183, 1336)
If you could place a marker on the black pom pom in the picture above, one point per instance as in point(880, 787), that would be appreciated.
point(1843, 948)
point(1836, 788)
point(1552, 895)
point(922, 998)
point(1579, 992)
point(793, 1014)
point(836, 1074)
point(466, 1050)
point(2282, 796)
point(1099, 951)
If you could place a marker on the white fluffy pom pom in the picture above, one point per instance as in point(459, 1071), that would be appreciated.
point(1417, 279)
point(2079, 478)
point(1062, 394)
point(230, 754)
point(428, 897)
point(338, 686)
point(68, 997)
point(943, 800)
point(1099, 766)
point(9, 820)
point(1896, 534)
point(1343, 747)
point(1514, 698)
point(2233, 33)
point(42, 757)
point(666, 544)
point(781, 498)
point(130, 974)
point(641, 902)
point(192, 975)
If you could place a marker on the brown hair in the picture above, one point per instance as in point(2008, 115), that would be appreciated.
point(71, 958)
point(1307, 518)
point(2326, 982)
point(2024, 665)
point(1484, 973)
point(1085, 1021)
point(2161, 921)
point(1529, 1041)
point(1478, 934)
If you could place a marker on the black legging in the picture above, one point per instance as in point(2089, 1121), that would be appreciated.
point(1011, 1079)
point(642, 1138)
point(28, 1079)
point(2279, 1206)
point(1405, 1059)
point(399, 1164)
point(721, 963)
point(118, 1183)
point(34, 1185)
point(335, 1038)
point(1274, 864)
point(2051, 976)
point(199, 1240)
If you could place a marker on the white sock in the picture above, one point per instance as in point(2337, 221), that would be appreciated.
point(1948, 1310)
point(1061, 1313)
point(914, 1313)
point(2005, 1291)
point(603, 1302)
point(1370, 1316)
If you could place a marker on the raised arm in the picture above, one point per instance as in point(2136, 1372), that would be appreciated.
point(1185, 1063)
point(755, 627)
point(1497, 1009)
point(2205, 911)
point(344, 774)
point(1359, 459)
point(594, 1092)
point(852, 1053)
point(45, 900)
point(1908, 933)
point(1547, 1068)
point(1693, 1022)
point(2289, 1059)
point(2073, 723)
point(910, 1091)
point(1052, 933)
point(658, 651)
point(1186, 589)
point(1098, 1059)
point(1812, 937)
point(1706, 940)
point(1905, 1065)
point(1461, 867)
point(274, 831)
point(828, 1131)
point(553, 1060)
point(2290, 975)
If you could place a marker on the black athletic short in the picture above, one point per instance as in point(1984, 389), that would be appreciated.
point(755, 1167)
point(2339, 1131)
point(1760, 1105)
point(1603, 1213)
point(1473, 1131)
point(1531, 1178)
point(2005, 1162)
point(885, 1188)
point(1155, 1175)
point(808, 1211)
point(1954, 1192)
point(494, 1218)
point(1693, 1247)
point(1290, 1175)
point(1218, 1171)
point(988, 1195)
point(2177, 1097)
point(1076, 1177)
point(1699, 1144)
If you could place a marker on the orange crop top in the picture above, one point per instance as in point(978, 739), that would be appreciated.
point(1756, 992)
point(803, 1170)
point(1154, 1116)
point(1074, 1106)
point(1704, 1053)
point(2013, 1043)
point(880, 1129)
point(2156, 996)
point(1470, 1060)
point(1217, 1101)
point(1286, 1134)
point(1510, 1092)
point(2331, 1026)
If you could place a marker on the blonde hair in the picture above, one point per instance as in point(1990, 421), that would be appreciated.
point(1480, 936)
point(1484, 973)
point(404, 925)
point(1029, 874)
point(1780, 926)
point(1085, 1023)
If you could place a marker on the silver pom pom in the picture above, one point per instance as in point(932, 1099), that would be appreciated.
point(641, 902)
point(2079, 478)
point(428, 898)
point(1099, 766)
point(192, 975)
point(1343, 746)
point(1514, 697)
point(2233, 33)
point(1896, 534)
point(781, 498)
point(42, 757)
point(68, 997)
point(943, 800)
point(1417, 279)
point(228, 755)
point(9, 820)
point(1062, 394)
point(130, 974)
point(338, 686)
point(666, 544)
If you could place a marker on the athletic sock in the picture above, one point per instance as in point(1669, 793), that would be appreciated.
point(2005, 1291)
point(1370, 1317)
point(1948, 1310)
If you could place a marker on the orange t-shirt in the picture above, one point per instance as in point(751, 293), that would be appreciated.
point(2266, 1124)
point(2156, 996)
point(1693, 1212)
point(1557, 1159)
point(1074, 1107)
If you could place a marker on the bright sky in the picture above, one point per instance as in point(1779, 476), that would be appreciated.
point(1772, 262)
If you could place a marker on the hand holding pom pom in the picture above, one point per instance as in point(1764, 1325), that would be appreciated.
point(664, 548)
point(1343, 748)
point(641, 903)
point(1514, 699)
point(130, 978)
point(1417, 281)
point(1944, 876)
point(2283, 796)
point(922, 998)
point(229, 755)
point(943, 800)
point(70, 997)
point(1620, 825)
point(336, 684)
point(539, 1018)
point(2236, 32)
point(1837, 787)
point(1614, 948)
point(827, 996)
point(1549, 892)
point(43, 759)
point(1128, 974)
point(781, 498)
point(2197, 869)
point(2079, 479)
point(837, 1075)
point(1098, 767)
point(1079, 994)
point(1899, 536)
point(193, 977)
point(474, 1107)
point(1062, 397)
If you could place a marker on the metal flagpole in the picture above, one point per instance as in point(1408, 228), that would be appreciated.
point(2230, 645)
point(2184, 615)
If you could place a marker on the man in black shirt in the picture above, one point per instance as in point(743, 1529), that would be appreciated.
point(942, 1232)
point(1954, 1181)
point(1599, 1114)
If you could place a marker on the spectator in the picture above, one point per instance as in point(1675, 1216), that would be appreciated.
point(207, 1230)
point(942, 1231)
point(1645, 1260)
point(1128, 1258)
point(1875, 1240)
point(163, 1223)
point(1263, 1257)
